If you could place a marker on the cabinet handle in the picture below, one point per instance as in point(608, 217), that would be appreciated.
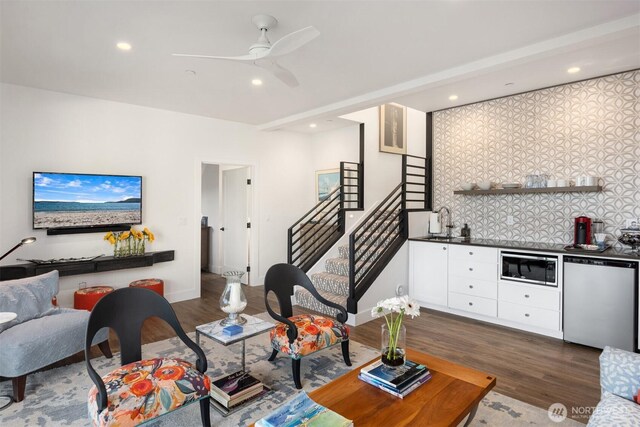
point(470, 286)
point(470, 269)
point(526, 295)
point(470, 303)
point(470, 253)
point(526, 315)
point(444, 248)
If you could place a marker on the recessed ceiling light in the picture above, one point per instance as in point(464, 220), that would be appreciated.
point(313, 125)
point(453, 97)
point(256, 82)
point(124, 46)
point(573, 70)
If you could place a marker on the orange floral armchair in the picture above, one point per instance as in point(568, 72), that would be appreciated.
point(301, 335)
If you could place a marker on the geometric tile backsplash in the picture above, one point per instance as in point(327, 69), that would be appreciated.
point(584, 128)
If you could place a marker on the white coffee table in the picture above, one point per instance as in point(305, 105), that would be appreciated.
point(253, 327)
point(7, 316)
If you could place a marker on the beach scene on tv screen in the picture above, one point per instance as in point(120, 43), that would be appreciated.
point(67, 200)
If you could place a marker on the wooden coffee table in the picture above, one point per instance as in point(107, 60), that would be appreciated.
point(446, 399)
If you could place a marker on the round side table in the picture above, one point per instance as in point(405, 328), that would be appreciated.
point(156, 285)
point(87, 298)
point(6, 316)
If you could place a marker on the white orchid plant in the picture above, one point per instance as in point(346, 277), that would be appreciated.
point(393, 310)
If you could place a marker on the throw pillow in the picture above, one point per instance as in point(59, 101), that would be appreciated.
point(30, 298)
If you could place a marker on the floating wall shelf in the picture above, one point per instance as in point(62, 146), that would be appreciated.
point(581, 189)
point(104, 263)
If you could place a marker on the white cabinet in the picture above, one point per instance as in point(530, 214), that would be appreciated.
point(530, 305)
point(473, 279)
point(463, 280)
point(428, 274)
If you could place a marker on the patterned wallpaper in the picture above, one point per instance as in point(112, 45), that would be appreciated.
point(584, 128)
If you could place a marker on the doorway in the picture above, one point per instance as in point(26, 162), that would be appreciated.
point(226, 219)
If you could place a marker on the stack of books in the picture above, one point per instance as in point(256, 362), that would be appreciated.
point(301, 412)
point(232, 390)
point(399, 381)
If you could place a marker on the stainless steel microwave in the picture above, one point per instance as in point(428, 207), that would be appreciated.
point(527, 268)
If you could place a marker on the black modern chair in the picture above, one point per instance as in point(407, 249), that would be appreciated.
point(301, 335)
point(141, 390)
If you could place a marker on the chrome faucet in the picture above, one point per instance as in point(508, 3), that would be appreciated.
point(449, 223)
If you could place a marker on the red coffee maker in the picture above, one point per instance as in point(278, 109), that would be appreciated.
point(582, 231)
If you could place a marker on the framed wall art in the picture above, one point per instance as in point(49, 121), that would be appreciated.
point(326, 181)
point(393, 128)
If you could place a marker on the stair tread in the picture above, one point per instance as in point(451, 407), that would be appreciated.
point(305, 299)
point(327, 275)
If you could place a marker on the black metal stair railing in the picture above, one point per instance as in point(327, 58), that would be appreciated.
point(376, 240)
point(374, 243)
point(322, 226)
point(351, 177)
point(416, 173)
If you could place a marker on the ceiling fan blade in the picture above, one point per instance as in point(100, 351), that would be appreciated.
point(281, 73)
point(293, 41)
point(243, 58)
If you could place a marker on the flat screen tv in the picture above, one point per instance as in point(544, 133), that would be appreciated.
point(73, 200)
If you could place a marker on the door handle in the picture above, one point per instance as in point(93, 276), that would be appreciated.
point(221, 228)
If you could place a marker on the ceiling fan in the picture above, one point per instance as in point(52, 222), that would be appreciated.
point(264, 54)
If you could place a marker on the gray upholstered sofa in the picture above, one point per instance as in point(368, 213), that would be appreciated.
point(620, 382)
point(42, 333)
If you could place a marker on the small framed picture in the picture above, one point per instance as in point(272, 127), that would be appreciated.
point(326, 181)
point(393, 128)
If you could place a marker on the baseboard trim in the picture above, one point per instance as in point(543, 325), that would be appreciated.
point(182, 295)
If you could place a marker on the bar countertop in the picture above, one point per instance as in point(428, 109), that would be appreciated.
point(531, 246)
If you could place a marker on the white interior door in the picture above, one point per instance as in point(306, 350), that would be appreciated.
point(235, 217)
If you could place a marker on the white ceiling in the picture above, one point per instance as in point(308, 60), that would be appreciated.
point(414, 52)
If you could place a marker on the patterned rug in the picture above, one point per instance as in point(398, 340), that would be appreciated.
point(57, 397)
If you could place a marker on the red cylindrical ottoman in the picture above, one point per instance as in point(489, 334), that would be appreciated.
point(156, 285)
point(86, 298)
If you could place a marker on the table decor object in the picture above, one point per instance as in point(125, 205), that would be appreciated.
point(129, 243)
point(233, 302)
point(393, 332)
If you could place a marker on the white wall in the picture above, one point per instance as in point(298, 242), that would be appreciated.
point(49, 131)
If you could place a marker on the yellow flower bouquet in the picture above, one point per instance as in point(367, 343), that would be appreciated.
point(129, 243)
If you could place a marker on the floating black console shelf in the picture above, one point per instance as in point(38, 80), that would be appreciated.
point(105, 263)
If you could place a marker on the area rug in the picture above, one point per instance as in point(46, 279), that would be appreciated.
point(57, 397)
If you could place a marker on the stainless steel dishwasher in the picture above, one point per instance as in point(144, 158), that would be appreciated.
point(600, 302)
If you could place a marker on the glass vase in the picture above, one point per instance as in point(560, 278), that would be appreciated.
point(393, 345)
point(233, 301)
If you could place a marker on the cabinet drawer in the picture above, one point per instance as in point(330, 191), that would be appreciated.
point(468, 286)
point(530, 296)
point(533, 316)
point(473, 270)
point(474, 253)
point(474, 304)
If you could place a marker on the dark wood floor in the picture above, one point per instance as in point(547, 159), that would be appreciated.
point(529, 367)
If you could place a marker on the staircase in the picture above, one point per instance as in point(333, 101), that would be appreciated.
point(333, 282)
point(372, 244)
